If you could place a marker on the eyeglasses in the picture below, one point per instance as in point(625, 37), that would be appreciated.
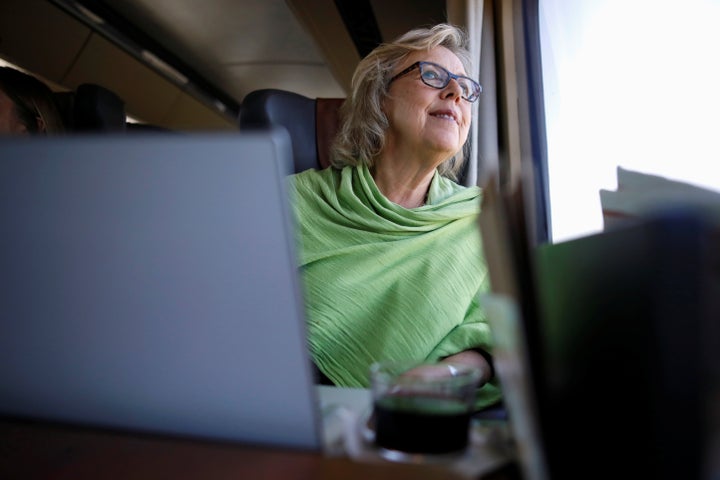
point(433, 75)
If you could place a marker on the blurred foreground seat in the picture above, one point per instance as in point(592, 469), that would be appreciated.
point(92, 108)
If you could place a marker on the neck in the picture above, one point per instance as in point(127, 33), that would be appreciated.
point(407, 187)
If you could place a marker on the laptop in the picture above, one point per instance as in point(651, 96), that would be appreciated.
point(608, 346)
point(512, 315)
point(149, 284)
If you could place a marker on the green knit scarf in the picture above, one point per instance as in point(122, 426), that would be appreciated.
point(383, 282)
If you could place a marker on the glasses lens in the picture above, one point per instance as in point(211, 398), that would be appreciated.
point(437, 77)
point(470, 89)
point(433, 75)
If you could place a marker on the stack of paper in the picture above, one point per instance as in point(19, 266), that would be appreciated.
point(641, 194)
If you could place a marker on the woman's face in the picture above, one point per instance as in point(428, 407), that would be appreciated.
point(423, 118)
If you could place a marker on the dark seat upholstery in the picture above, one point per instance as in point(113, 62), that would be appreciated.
point(311, 123)
point(146, 128)
point(92, 108)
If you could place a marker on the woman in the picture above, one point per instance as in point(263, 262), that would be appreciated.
point(390, 250)
point(27, 105)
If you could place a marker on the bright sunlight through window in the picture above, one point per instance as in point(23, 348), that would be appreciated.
point(631, 83)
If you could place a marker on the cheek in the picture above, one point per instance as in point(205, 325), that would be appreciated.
point(402, 112)
point(465, 130)
point(467, 120)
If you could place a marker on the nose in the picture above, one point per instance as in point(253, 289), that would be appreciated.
point(452, 90)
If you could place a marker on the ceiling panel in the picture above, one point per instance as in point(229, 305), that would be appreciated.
point(397, 17)
point(187, 113)
point(29, 33)
point(311, 81)
point(229, 41)
point(225, 48)
point(147, 95)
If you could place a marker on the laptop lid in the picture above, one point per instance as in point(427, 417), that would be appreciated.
point(513, 317)
point(149, 283)
point(606, 346)
point(630, 324)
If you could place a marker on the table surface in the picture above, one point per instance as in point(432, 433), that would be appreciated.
point(48, 450)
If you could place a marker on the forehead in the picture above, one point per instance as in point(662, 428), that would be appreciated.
point(440, 55)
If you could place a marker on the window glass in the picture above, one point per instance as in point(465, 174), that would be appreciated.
point(630, 83)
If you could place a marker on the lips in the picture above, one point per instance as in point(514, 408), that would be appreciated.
point(446, 114)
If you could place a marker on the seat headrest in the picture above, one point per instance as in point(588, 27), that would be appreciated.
point(92, 108)
point(311, 123)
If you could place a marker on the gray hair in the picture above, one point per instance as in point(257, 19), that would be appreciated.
point(361, 136)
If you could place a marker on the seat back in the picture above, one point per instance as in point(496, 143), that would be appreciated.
point(312, 123)
point(92, 108)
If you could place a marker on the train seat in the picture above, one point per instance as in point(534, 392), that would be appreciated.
point(311, 122)
point(92, 108)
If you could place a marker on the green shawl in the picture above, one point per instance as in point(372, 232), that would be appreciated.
point(385, 282)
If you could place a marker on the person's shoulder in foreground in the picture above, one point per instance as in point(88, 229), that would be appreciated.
point(389, 244)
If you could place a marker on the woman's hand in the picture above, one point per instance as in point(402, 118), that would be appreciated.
point(473, 359)
point(444, 368)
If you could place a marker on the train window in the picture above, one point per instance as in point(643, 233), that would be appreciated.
point(631, 84)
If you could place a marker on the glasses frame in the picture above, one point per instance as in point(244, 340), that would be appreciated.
point(450, 76)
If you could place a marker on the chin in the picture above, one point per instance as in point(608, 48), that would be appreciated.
point(448, 148)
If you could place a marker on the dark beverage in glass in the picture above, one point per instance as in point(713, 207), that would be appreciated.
point(421, 424)
point(422, 408)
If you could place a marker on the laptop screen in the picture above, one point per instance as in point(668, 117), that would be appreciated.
point(512, 315)
point(149, 283)
point(606, 346)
